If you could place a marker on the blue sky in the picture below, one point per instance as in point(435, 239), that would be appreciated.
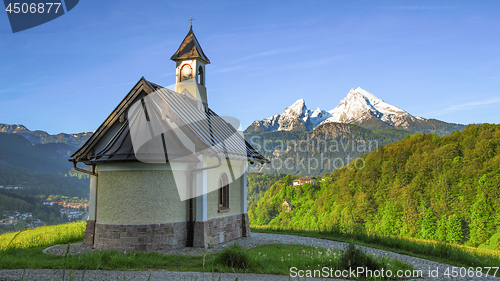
point(435, 59)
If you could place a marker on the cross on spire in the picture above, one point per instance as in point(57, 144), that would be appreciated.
point(191, 20)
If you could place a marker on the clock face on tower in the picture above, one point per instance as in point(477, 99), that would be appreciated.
point(186, 73)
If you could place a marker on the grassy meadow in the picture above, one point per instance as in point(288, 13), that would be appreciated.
point(23, 250)
point(453, 254)
point(43, 236)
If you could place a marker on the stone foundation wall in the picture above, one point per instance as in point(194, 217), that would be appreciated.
point(152, 237)
point(140, 237)
point(219, 230)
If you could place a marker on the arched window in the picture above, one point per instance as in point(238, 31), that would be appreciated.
point(186, 72)
point(201, 77)
point(223, 193)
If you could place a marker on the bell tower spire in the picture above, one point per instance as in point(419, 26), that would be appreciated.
point(190, 72)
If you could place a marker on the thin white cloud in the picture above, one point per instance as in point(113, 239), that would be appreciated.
point(300, 65)
point(323, 61)
point(227, 69)
point(462, 106)
point(166, 74)
point(113, 85)
point(271, 53)
point(18, 88)
point(424, 7)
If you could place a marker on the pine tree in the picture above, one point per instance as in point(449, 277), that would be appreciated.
point(441, 229)
point(390, 223)
point(454, 232)
point(497, 222)
point(482, 226)
point(428, 226)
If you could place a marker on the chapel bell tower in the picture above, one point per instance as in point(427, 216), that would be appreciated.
point(190, 72)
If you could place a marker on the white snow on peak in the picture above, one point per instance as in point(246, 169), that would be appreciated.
point(274, 117)
point(376, 102)
point(317, 113)
point(297, 108)
point(319, 116)
point(271, 122)
point(358, 102)
point(357, 106)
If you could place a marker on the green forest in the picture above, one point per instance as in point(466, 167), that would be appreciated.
point(298, 152)
point(258, 184)
point(425, 186)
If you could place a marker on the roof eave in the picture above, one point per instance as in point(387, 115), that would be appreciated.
point(81, 154)
point(190, 58)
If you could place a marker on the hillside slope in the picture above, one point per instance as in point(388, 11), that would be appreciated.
point(40, 168)
point(442, 188)
point(320, 151)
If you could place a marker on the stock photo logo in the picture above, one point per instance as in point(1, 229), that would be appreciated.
point(170, 127)
point(27, 14)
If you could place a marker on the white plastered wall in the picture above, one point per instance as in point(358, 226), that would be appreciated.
point(131, 194)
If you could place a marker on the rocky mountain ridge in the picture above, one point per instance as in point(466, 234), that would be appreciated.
point(359, 107)
point(42, 137)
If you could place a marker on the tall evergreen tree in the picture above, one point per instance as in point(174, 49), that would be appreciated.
point(482, 225)
point(428, 226)
point(441, 229)
point(390, 222)
point(454, 232)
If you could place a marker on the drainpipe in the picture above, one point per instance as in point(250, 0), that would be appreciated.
point(93, 173)
point(190, 237)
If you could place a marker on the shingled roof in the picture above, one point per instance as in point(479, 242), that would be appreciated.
point(204, 127)
point(190, 49)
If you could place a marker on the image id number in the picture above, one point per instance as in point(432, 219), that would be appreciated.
point(32, 8)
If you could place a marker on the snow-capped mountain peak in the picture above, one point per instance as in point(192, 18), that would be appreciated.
point(358, 107)
point(295, 117)
point(298, 108)
point(317, 113)
point(376, 102)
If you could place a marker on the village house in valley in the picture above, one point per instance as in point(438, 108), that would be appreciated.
point(303, 180)
point(190, 190)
